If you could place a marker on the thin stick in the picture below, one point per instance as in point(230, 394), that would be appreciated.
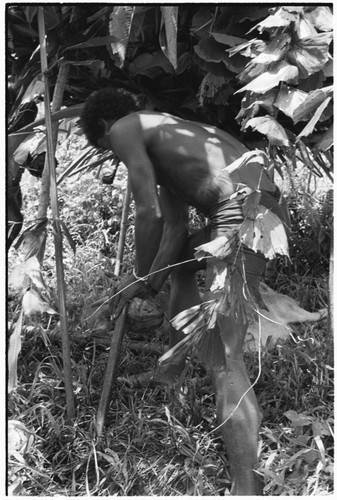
point(331, 311)
point(57, 225)
point(110, 371)
point(124, 226)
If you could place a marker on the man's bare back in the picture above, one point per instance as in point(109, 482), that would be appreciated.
point(189, 158)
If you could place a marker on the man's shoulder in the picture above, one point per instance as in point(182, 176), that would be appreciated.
point(141, 126)
point(127, 126)
point(140, 119)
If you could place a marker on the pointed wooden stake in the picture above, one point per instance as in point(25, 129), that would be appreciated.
point(111, 371)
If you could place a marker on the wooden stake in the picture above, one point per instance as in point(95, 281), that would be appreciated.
point(110, 371)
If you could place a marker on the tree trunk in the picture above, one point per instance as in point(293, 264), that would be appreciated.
point(56, 105)
point(51, 184)
point(124, 226)
point(331, 287)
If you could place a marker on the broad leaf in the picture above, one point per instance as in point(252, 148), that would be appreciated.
point(210, 50)
point(120, 27)
point(231, 40)
point(252, 103)
point(275, 49)
point(282, 72)
point(250, 170)
point(184, 61)
point(34, 241)
point(20, 439)
point(289, 99)
point(32, 303)
point(326, 141)
point(251, 12)
point(220, 247)
point(30, 268)
point(18, 278)
point(35, 275)
point(265, 234)
point(94, 42)
point(15, 139)
point(235, 63)
point(308, 129)
point(168, 33)
point(252, 71)
point(150, 65)
point(310, 54)
point(304, 28)
point(221, 280)
point(321, 18)
point(251, 48)
point(201, 22)
point(328, 68)
point(280, 19)
point(218, 69)
point(34, 89)
point(269, 126)
point(251, 205)
point(30, 145)
point(314, 99)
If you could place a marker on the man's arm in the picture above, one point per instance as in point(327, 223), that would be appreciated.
point(174, 236)
point(161, 225)
point(130, 148)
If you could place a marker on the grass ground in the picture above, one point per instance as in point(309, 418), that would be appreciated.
point(158, 441)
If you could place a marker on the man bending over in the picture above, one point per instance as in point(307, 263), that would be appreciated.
point(174, 164)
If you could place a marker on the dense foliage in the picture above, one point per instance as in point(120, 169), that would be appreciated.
point(193, 60)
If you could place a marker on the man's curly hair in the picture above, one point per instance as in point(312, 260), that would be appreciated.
point(108, 103)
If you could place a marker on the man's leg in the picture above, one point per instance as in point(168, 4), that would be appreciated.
point(184, 289)
point(237, 410)
point(240, 432)
point(184, 294)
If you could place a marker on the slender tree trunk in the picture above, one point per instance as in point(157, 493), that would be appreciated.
point(56, 105)
point(124, 226)
point(51, 146)
point(331, 288)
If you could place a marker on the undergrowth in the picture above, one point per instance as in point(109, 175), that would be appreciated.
point(159, 441)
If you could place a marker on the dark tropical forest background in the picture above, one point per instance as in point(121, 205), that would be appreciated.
point(261, 72)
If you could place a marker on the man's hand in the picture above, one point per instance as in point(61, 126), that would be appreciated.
point(128, 288)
